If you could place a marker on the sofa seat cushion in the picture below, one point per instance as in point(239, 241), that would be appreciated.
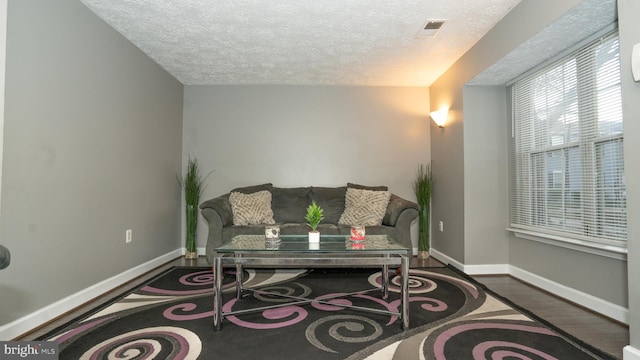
point(228, 232)
point(290, 204)
point(371, 230)
point(303, 229)
point(250, 209)
point(364, 207)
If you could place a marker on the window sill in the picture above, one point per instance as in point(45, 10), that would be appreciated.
point(610, 251)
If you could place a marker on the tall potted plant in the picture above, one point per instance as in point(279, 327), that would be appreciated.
point(422, 186)
point(193, 184)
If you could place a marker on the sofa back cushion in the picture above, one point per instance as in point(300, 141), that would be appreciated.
point(253, 189)
point(251, 209)
point(290, 204)
point(367, 187)
point(331, 200)
point(364, 207)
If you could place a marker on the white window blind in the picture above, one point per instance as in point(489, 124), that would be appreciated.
point(568, 177)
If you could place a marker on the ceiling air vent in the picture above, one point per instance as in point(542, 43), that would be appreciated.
point(431, 28)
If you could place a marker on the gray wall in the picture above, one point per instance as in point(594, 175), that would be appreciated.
point(447, 159)
point(306, 135)
point(3, 53)
point(486, 185)
point(628, 11)
point(481, 127)
point(448, 144)
point(92, 144)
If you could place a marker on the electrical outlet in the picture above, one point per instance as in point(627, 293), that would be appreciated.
point(441, 225)
point(128, 236)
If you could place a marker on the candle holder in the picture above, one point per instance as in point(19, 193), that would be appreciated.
point(357, 233)
point(272, 233)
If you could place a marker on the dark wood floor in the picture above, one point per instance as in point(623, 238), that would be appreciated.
point(592, 328)
point(597, 330)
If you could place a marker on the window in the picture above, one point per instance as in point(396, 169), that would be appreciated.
point(568, 176)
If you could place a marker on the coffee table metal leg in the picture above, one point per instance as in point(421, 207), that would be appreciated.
point(217, 293)
point(385, 281)
point(405, 292)
point(239, 281)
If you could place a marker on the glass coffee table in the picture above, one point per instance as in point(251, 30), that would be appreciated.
point(338, 251)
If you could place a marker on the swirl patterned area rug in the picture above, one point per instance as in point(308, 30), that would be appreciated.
point(451, 317)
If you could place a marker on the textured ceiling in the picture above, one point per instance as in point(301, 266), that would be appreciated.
point(303, 42)
point(583, 20)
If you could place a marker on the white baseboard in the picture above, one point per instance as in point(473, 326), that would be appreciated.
point(201, 251)
point(606, 308)
point(470, 269)
point(630, 353)
point(445, 259)
point(50, 312)
point(591, 302)
point(489, 269)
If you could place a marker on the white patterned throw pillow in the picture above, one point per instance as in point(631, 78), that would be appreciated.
point(364, 207)
point(251, 209)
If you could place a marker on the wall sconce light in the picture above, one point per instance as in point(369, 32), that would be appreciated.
point(440, 116)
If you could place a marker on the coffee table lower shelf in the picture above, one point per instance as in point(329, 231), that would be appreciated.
point(240, 260)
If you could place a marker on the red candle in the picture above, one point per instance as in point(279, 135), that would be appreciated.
point(357, 233)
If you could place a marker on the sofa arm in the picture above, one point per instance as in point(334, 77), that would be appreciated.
point(395, 209)
point(220, 206)
point(218, 214)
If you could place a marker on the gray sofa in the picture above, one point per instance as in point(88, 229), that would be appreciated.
point(289, 207)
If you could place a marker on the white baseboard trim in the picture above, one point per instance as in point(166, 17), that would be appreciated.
point(201, 251)
point(630, 353)
point(591, 302)
point(50, 312)
point(608, 309)
point(489, 269)
point(446, 259)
